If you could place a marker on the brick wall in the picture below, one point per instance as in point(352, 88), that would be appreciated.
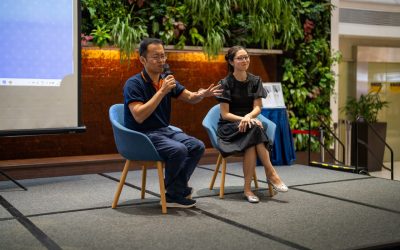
point(102, 80)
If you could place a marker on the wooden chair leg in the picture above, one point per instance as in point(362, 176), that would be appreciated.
point(160, 166)
point(270, 190)
point(255, 179)
point(219, 160)
point(121, 183)
point(143, 190)
point(222, 187)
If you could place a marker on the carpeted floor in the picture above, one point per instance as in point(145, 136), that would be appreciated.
point(324, 209)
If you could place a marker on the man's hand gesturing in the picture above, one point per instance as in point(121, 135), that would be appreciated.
point(210, 91)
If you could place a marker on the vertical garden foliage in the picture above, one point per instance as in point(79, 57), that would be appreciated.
point(212, 24)
point(101, 13)
point(308, 81)
point(260, 24)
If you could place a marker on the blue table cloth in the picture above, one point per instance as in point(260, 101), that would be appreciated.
point(283, 151)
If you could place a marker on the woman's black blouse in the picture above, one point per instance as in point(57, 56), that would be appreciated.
point(241, 95)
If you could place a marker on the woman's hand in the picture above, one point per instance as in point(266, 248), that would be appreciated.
point(258, 123)
point(248, 122)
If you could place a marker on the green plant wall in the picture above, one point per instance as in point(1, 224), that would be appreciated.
point(212, 24)
point(308, 81)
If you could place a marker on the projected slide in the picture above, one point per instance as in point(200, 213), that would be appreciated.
point(40, 67)
point(36, 42)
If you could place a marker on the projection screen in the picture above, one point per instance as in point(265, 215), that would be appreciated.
point(39, 67)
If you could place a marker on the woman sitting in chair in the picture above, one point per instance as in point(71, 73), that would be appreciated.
point(238, 129)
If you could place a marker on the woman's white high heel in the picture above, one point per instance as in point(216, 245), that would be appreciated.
point(252, 198)
point(279, 188)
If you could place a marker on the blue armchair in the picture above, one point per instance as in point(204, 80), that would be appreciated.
point(135, 146)
point(210, 123)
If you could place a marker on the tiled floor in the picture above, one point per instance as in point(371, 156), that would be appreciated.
point(324, 209)
point(386, 173)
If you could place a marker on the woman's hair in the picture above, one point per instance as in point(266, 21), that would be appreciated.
point(230, 55)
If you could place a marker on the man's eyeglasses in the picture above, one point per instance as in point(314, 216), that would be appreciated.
point(158, 57)
point(242, 58)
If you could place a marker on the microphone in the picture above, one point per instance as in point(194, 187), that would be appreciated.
point(167, 71)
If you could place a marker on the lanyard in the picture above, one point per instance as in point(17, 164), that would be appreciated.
point(156, 85)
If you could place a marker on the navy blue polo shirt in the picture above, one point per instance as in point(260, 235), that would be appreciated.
point(140, 89)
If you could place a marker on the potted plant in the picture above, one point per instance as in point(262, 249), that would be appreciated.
point(362, 112)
